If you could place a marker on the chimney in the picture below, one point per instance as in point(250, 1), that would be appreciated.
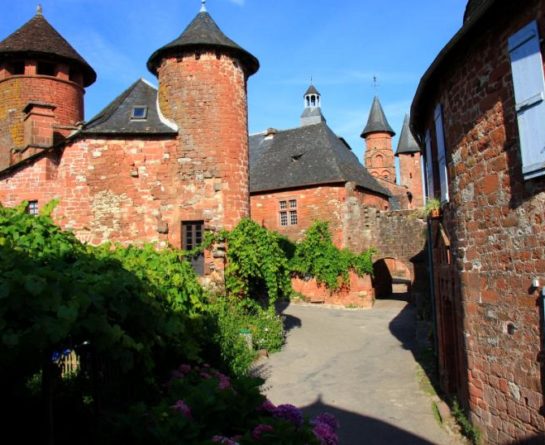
point(39, 121)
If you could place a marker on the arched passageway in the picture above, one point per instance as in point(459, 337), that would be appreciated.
point(391, 276)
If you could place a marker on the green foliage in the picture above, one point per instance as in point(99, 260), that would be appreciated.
point(256, 265)
point(317, 256)
point(230, 317)
point(468, 430)
point(57, 293)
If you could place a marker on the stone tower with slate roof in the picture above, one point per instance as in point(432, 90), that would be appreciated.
point(379, 156)
point(202, 89)
point(42, 83)
point(410, 173)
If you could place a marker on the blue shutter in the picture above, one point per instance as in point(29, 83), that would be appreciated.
point(441, 155)
point(429, 167)
point(529, 85)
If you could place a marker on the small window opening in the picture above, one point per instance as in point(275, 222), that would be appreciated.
point(308, 101)
point(32, 208)
point(17, 68)
point(139, 112)
point(46, 69)
point(313, 100)
point(410, 176)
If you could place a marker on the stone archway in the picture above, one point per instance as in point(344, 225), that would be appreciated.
point(391, 276)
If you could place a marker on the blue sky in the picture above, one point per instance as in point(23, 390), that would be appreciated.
point(341, 44)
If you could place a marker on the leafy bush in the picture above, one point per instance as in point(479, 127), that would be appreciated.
point(230, 318)
point(203, 406)
point(257, 267)
point(317, 256)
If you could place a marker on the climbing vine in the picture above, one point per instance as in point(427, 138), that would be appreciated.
point(318, 257)
point(256, 264)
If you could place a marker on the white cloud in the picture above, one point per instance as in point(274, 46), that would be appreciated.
point(238, 2)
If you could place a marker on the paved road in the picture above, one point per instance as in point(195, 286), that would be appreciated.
point(358, 366)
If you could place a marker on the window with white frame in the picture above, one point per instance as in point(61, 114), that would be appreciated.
point(32, 208)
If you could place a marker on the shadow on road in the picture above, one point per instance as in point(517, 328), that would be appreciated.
point(290, 322)
point(356, 429)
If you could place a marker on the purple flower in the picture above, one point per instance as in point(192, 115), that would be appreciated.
point(325, 434)
point(224, 440)
point(290, 413)
point(327, 418)
point(184, 369)
point(261, 429)
point(267, 406)
point(182, 407)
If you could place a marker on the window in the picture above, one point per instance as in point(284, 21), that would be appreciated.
point(139, 112)
point(441, 153)
point(45, 69)
point(17, 68)
point(288, 217)
point(529, 86)
point(32, 208)
point(192, 237)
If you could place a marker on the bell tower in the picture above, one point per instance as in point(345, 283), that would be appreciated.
point(313, 107)
point(379, 155)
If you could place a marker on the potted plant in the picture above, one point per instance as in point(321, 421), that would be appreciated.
point(433, 208)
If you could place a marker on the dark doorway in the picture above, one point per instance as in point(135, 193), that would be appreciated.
point(192, 237)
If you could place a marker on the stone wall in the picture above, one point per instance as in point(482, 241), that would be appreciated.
point(490, 243)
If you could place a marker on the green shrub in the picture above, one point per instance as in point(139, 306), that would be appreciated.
point(468, 430)
point(317, 256)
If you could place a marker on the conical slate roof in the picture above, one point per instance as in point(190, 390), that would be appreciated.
point(38, 38)
point(312, 90)
point(407, 143)
point(377, 122)
point(203, 32)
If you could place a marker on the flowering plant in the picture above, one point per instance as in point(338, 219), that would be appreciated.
point(201, 405)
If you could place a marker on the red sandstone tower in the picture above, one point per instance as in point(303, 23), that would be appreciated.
point(42, 81)
point(379, 156)
point(203, 89)
point(410, 173)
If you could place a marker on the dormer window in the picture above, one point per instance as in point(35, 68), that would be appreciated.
point(139, 113)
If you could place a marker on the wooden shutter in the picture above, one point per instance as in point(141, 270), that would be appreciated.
point(441, 152)
point(529, 86)
point(429, 167)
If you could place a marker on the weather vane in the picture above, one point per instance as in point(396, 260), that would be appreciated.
point(203, 5)
point(375, 83)
point(39, 10)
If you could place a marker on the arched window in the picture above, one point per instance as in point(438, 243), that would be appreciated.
point(379, 161)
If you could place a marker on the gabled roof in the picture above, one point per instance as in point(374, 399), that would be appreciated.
point(38, 38)
point(377, 122)
point(203, 32)
point(116, 117)
point(305, 156)
point(407, 143)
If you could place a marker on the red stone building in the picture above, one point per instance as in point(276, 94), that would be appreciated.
point(154, 166)
point(308, 173)
point(480, 110)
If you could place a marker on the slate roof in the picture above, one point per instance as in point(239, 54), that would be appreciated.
point(407, 143)
point(38, 38)
point(312, 90)
point(203, 32)
point(116, 117)
point(377, 122)
point(305, 156)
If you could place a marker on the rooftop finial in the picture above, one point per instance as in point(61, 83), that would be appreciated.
point(375, 83)
point(39, 9)
point(203, 5)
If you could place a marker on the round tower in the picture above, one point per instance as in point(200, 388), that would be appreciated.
point(42, 81)
point(203, 89)
point(410, 173)
point(379, 155)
